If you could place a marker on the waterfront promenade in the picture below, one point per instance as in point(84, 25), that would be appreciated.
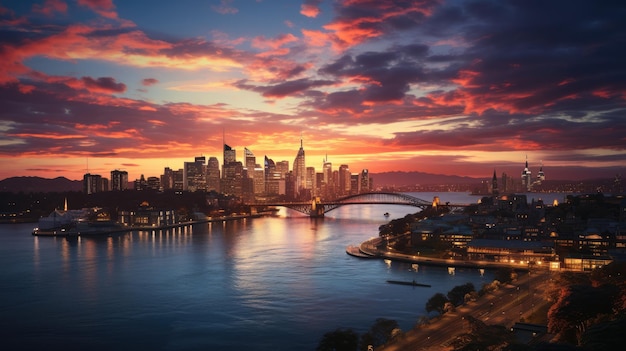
point(505, 306)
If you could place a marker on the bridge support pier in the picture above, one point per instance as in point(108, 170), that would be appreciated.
point(317, 209)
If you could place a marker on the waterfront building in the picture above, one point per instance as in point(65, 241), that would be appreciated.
point(514, 252)
point(250, 163)
point(119, 180)
point(146, 216)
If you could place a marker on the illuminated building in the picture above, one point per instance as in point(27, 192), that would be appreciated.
point(526, 177)
point(213, 174)
point(195, 175)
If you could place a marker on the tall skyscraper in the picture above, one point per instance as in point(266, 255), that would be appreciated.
point(167, 179)
point(494, 185)
point(299, 171)
point(232, 173)
point(213, 174)
point(230, 155)
point(526, 177)
point(344, 180)
point(119, 180)
point(195, 175)
point(364, 181)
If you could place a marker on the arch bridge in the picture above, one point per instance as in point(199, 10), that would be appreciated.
point(317, 208)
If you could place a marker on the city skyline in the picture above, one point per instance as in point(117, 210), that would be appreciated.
point(441, 87)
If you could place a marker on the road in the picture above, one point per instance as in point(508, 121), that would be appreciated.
point(504, 307)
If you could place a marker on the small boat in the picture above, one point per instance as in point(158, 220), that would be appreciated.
point(386, 214)
point(411, 283)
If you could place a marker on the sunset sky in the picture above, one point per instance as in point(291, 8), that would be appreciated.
point(445, 87)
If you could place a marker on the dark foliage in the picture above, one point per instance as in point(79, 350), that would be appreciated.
point(339, 340)
point(380, 333)
point(457, 294)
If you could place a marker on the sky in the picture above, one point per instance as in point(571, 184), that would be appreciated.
point(436, 86)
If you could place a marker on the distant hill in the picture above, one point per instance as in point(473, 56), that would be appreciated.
point(398, 178)
point(38, 184)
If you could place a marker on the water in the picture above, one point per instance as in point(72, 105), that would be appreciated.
point(254, 284)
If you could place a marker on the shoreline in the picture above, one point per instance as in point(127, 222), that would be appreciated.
point(368, 249)
point(115, 229)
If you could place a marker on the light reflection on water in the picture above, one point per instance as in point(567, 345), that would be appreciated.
point(256, 284)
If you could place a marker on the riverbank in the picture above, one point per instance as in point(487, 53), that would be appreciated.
point(117, 228)
point(370, 249)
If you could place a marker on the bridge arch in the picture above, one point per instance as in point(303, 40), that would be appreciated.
point(317, 208)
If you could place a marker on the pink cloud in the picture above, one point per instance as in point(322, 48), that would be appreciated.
point(104, 8)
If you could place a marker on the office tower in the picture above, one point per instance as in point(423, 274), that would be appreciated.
point(311, 181)
point(195, 175)
point(232, 174)
point(154, 183)
point(141, 183)
point(299, 171)
point(167, 179)
point(179, 179)
point(259, 180)
point(541, 176)
point(505, 183)
point(364, 181)
point(327, 170)
point(282, 167)
point(250, 161)
point(494, 185)
point(94, 183)
point(230, 155)
point(354, 183)
point(526, 177)
point(290, 185)
point(344, 180)
point(119, 180)
point(213, 174)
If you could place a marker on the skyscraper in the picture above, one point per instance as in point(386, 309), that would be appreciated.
point(195, 175)
point(119, 180)
point(299, 171)
point(213, 174)
point(526, 177)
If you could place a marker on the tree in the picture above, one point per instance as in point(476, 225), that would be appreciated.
point(380, 333)
point(577, 308)
point(437, 303)
point(339, 340)
point(504, 275)
point(457, 294)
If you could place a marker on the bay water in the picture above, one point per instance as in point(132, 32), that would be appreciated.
point(271, 283)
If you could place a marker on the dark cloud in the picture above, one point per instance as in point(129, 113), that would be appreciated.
point(149, 81)
point(286, 88)
point(104, 84)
